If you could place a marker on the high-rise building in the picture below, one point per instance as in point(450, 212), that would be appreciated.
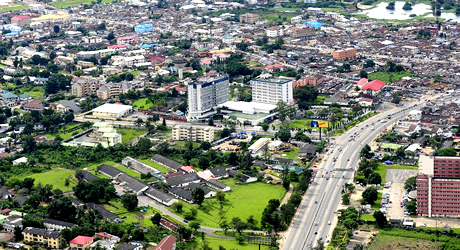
point(205, 94)
point(272, 90)
point(438, 186)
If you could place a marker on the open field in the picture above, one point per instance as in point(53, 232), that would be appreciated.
point(292, 154)
point(228, 244)
point(70, 3)
point(56, 177)
point(142, 103)
point(128, 134)
point(242, 201)
point(388, 77)
point(367, 217)
point(382, 169)
point(154, 165)
point(13, 7)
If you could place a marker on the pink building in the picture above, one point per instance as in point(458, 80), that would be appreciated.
point(127, 40)
point(21, 21)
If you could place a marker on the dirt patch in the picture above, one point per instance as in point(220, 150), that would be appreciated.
point(385, 242)
point(226, 144)
point(363, 237)
point(399, 175)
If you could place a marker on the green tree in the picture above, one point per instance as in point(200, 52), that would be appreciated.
point(18, 233)
point(198, 195)
point(56, 29)
point(366, 152)
point(411, 206)
point(374, 178)
point(284, 134)
point(380, 218)
point(177, 206)
point(156, 218)
point(144, 145)
point(370, 195)
point(285, 110)
point(238, 225)
point(445, 152)
point(224, 226)
point(62, 209)
point(129, 201)
point(411, 183)
point(220, 196)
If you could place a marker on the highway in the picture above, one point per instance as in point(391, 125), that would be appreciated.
point(315, 218)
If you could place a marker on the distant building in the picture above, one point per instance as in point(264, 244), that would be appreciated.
point(275, 31)
point(143, 28)
point(48, 238)
point(21, 21)
point(344, 54)
point(82, 87)
point(189, 132)
point(437, 183)
point(113, 111)
point(205, 94)
point(312, 80)
point(112, 90)
point(272, 90)
point(249, 18)
point(81, 242)
point(127, 40)
point(92, 39)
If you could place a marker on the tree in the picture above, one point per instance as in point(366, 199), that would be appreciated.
point(177, 206)
point(195, 225)
point(210, 122)
point(370, 195)
point(110, 36)
point(366, 152)
point(411, 183)
point(285, 110)
point(28, 183)
point(220, 196)
point(144, 144)
point(265, 126)
point(198, 195)
point(363, 74)
point(139, 122)
point(238, 225)
point(129, 201)
point(380, 218)
point(18, 233)
point(345, 199)
point(445, 152)
point(284, 134)
point(411, 206)
point(374, 178)
point(224, 226)
point(350, 223)
point(62, 209)
point(205, 145)
point(56, 29)
point(319, 245)
point(156, 218)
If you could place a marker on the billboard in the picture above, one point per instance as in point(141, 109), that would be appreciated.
point(319, 124)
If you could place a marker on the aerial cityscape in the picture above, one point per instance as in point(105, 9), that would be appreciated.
point(164, 124)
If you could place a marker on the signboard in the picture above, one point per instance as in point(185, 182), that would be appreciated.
point(323, 124)
point(319, 124)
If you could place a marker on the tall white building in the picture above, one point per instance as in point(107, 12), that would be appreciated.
point(272, 90)
point(205, 94)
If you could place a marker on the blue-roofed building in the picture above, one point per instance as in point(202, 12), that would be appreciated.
point(10, 99)
point(40, 80)
point(146, 46)
point(314, 24)
point(12, 34)
point(228, 39)
point(143, 28)
point(25, 97)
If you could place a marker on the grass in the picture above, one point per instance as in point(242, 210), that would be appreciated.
point(70, 3)
point(367, 217)
point(395, 238)
point(181, 144)
point(154, 165)
point(62, 132)
point(242, 201)
point(292, 154)
point(388, 77)
point(14, 7)
point(352, 124)
point(302, 123)
point(376, 205)
point(129, 171)
point(128, 134)
point(228, 244)
point(441, 228)
point(56, 177)
point(382, 169)
point(142, 103)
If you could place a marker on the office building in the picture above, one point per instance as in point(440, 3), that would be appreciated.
point(272, 90)
point(205, 94)
point(438, 186)
point(189, 132)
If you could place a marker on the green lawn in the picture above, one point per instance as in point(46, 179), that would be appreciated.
point(376, 205)
point(242, 201)
point(62, 132)
point(302, 123)
point(441, 228)
point(70, 3)
point(228, 244)
point(292, 154)
point(382, 169)
point(129, 171)
point(142, 103)
point(389, 77)
point(367, 217)
point(128, 134)
point(181, 144)
point(154, 165)
point(14, 7)
point(56, 177)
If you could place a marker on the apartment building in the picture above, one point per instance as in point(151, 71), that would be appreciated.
point(275, 31)
point(85, 86)
point(189, 132)
point(438, 186)
point(39, 235)
point(311, 80)
point(112, 90)
point(344, 54)
point(205, 94)
point(92, 39)
point(249, 18)
point(272, 90)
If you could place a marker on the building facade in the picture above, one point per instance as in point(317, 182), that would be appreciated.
point(205, 94)
point(49, 238)
point(438, 186)
point(272, 90)
point(189, 132)
point(112, 90)
point(249, 18)
point(344, 54)
point(85, 86)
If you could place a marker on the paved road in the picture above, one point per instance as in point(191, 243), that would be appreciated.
point(323, 197)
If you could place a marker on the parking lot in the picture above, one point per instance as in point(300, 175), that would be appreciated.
point(230, 145)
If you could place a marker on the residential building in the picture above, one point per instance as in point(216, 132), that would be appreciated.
point(21, 21)
point(166, 162)
point(92, 39)
point(167, 243)
point(189, 132)
point(344, 54)
point(143, 28)
point(81, 242)
point(139, 166)
point(50, 239)
point(275, 31)
point(85, 86)
point(112, 90)
point(34, 105)
point(438, 185)
point(126, 40)
point(272, 90)
point(68, 106)
point(249, 18)
point(205, 94)
point(56, 224)
point(312, 80)
point(160, 196)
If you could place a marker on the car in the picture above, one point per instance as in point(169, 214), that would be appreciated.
point(329, 222)
point(348, 159)
point(327, 178)
point(186, 221)
point(320, 238)
point(316, 223)
point(327, 172)
point(316, 233)
point(316, 202)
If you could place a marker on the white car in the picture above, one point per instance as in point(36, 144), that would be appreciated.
point(329, 222)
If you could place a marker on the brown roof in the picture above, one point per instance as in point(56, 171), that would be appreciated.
point(35, 104)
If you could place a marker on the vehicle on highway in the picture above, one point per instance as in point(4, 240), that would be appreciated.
point(329, 222)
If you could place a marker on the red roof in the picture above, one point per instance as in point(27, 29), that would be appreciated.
point(362, 81)
point(81, 240)
point(167, 243)
point(117, 46)
point(19, 18)
point(127, 38)
point(274, 66)
point(374, 85)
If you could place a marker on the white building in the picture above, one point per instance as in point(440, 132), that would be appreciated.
point(110, 110)
point(275, 31)
point(272, 90)
point(92, 39)
point(191, 132)
point(205, 94)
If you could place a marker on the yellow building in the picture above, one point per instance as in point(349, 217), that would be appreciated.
point(39, 235)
